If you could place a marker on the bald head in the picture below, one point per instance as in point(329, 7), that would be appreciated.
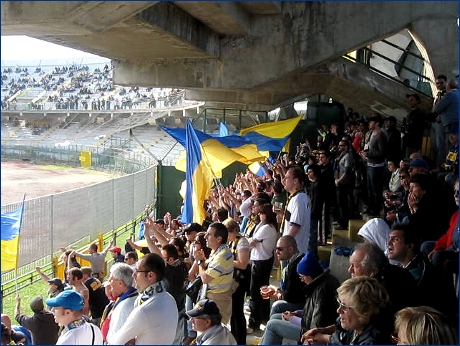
point(286, 247)
point(288, 240)
point(6, 320)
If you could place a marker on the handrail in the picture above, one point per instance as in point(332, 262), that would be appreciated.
point(405, 50)
point(386, 75)
point(396, 63)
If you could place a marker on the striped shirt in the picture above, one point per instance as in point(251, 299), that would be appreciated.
point(220, 268)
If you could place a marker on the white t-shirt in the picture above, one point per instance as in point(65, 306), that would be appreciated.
point(152, 323)
point(120, 315)
point(298, 212)
point(82, 335)
point(267, 237)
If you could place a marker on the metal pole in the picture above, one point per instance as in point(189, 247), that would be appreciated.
point(52, 234)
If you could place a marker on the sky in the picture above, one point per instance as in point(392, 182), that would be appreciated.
point(28, 48)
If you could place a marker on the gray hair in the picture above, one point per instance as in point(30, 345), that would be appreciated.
point(123, 272)
point(453, 83)
point(374, 257)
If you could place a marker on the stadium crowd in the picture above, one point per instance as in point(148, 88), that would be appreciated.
point(188, 283)
point(77, 87)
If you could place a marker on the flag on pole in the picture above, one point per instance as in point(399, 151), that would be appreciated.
point(11, 226)
point(198, 177)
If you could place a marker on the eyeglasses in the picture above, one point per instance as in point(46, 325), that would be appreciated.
point(280, 248)
point(402, 176)
point(344, 307)
point(141, 271)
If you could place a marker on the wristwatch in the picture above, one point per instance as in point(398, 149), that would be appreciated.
point(199, 262)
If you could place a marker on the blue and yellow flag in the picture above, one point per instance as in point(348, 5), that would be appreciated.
point(204, 157)
point(220, 151)
point(271, 136)
point(11, 226)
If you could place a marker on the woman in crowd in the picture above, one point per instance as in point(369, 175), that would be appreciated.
point(239, 246)
point(423, 325)
point(363, 316)
point(263, 243)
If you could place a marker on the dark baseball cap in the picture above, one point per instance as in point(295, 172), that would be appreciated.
point(204, 307)
point(57, 282)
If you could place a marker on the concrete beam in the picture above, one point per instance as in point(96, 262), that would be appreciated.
point(138, 39)
point(102, 15)
point(174, 21)
point(237, 97)
point(347, 82)
point(40, 18)
point(237, 106)
point(34, 18)
point(305, 35)
point(225, 18)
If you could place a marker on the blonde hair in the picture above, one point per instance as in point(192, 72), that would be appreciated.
point(232, 226)
point(368, 297)
point(426, 326)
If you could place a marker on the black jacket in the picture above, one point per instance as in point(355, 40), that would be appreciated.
point(320, 305)
point(293, 291)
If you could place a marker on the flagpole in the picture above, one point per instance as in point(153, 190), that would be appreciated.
point(17, 247)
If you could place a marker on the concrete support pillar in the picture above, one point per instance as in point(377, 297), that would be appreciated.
point(431, 34)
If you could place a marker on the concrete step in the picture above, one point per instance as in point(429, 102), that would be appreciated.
point(353, 227)
point(324, 252)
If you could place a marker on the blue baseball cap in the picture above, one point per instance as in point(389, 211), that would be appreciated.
point(418, 162)
point(453, 130)
point(68, 299)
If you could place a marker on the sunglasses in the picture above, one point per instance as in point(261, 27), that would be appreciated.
point(344, 307)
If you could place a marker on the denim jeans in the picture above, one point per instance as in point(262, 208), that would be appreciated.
point(281, 306)
point(277, 330)
point(189, 332)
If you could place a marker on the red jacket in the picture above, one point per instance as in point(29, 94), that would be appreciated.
point(446, 240)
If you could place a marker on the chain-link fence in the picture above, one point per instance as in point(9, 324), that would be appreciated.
point(58, 220)
point(55, 221)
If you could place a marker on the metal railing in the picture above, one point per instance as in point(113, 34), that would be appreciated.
point(367, 53)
